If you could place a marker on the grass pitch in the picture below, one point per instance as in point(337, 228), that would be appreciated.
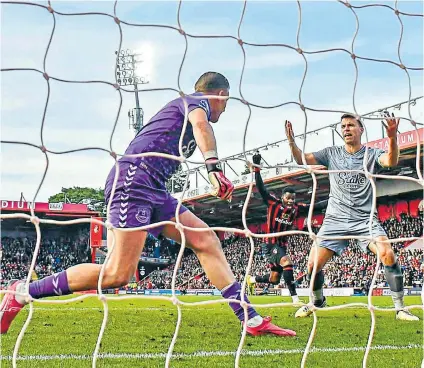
point(139, 332)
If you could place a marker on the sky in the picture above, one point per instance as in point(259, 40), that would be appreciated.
point(83, 48)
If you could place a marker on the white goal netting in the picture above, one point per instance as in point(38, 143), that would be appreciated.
point(399, 16)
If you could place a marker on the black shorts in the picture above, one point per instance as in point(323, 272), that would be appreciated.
point(274, 254)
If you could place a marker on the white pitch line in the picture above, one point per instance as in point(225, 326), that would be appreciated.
point(201, 354)
point(127, 309)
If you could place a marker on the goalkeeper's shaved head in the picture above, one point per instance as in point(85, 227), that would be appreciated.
point(214, 83)
point(210, 82)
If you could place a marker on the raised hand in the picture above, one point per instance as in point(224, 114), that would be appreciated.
point(391, 124)
point(222, 187)
point(257, 158)
point(289, 131)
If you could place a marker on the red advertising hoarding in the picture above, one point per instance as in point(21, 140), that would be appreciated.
point(47, 208)
point(96, 232)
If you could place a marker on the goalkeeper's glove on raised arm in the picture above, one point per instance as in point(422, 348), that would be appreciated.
point(222, 187)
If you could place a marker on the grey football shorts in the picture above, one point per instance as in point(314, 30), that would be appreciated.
point(336, 227)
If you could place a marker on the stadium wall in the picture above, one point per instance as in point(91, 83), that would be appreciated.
point(394, 187)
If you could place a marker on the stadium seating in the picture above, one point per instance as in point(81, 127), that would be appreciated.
point(352, 270)
point(56, 254)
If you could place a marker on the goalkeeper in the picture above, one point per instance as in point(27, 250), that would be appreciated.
point(349, 206)
point(140, 199)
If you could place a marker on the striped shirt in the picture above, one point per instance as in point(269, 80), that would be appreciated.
point(279, 217)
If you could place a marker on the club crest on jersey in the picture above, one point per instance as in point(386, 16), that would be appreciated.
point(275, 251)
point(341, 160)
point(284, 215)
point(143, 215)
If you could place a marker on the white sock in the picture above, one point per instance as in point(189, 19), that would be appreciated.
point(255, 321)
point(21, 289)
point(397, 297)
point(295, 299)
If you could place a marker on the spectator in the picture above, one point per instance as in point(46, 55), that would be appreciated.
point(57, 252)
point(353, 269)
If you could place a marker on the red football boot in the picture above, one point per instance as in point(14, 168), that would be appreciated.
point(266, 327)
point(9, 308)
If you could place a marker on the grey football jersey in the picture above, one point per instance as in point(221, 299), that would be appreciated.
point(350, 193)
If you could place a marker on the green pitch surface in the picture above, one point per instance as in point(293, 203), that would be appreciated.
point(139, 332)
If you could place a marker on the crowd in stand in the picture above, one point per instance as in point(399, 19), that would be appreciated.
point(352, 269)
point(57, 252)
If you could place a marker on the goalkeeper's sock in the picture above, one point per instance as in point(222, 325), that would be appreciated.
point(233, 291)
point(54, 285)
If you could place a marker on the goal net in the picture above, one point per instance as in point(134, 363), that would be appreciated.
point(299, 53)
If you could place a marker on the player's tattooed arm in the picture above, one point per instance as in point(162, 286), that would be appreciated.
point(391, 157)
point(295, 150)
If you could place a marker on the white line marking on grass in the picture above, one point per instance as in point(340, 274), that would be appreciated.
point(126, 309)
point(207, 353)
point(129, 308)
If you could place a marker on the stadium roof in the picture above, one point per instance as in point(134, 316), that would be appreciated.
point(216, 212)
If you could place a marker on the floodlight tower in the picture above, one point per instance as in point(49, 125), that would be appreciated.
point(126, 74)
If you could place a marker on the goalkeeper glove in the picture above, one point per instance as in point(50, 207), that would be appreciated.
point(222, 187)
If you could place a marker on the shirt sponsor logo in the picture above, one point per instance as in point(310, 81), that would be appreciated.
point(189, 148)
point(283, 221)
point(351, 180)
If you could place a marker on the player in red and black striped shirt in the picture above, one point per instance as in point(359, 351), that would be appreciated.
point(281, 216)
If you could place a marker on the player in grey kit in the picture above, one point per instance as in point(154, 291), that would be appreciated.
point(140, 199)
point(349, 206)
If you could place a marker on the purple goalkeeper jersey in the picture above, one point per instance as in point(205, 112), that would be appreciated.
point(162, 134)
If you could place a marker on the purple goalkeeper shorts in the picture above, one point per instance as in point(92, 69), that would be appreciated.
point(139, 199)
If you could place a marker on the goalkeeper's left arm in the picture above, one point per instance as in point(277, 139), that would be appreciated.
point(205, 139)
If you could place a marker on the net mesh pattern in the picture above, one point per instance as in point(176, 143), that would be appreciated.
point(400, 16)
